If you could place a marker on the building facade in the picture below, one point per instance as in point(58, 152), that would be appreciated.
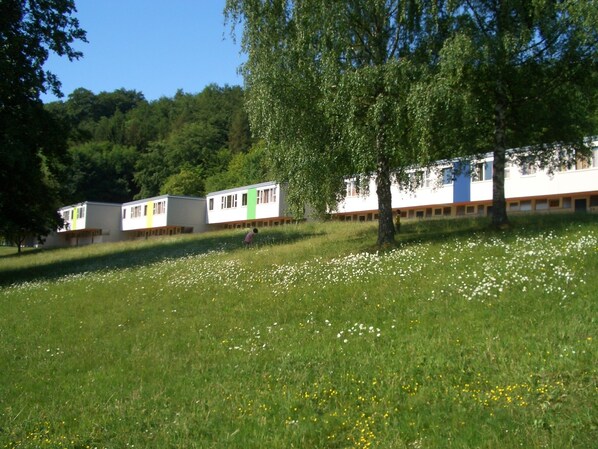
point(86, 223)
point(465, 189)
point(451, 189)
point(251, 206)
point(163, 215)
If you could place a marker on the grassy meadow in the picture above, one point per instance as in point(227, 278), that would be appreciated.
point(459, 337)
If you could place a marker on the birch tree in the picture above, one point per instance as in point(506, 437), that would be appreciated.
point(516, 74)
point(327, 86)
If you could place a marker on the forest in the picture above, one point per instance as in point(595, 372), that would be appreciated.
point(122, 147)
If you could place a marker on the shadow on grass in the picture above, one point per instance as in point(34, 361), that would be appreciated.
point(413, 232)
point(158, 249)
point(442, 230)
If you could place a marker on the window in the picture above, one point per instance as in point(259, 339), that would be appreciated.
point(228, 201)
point(428, 181)
point(266, 196)
point(417, 179)
point(352, 188)
point(482, 171)
point(211, 204)
point(135, 211)
point(66, 215)
point(80, 212)
point(554, 203)
point(145, 210)
point(528, 168)
point(124, 214)
point(478, 172)
point(582, 162)
point(421, 179)
point(244, 199)
point(567, 202)
point(470, 210)
point(525, 205)
point(447, 176)
point(160, 207)
point(541, 204)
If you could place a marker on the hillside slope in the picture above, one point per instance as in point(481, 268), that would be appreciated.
point(458, 337)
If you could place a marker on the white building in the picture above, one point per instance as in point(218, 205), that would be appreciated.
point(86, 223)
point(454, 190)
point(256, 205)
point(164, 215)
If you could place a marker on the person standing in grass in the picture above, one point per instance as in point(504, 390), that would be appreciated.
point(398, 221)
point(249, 237)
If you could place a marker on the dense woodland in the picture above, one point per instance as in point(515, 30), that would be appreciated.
point(122, 147)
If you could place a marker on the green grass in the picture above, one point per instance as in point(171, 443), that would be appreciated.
point(459, 337)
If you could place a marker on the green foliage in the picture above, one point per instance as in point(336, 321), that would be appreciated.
point(458, 336)
point(100, 171)
point(31, 141)
point(187, 182)
point(194, 144)
point(29, 31)
point(172, 138)
point(150, 170)
point(243, 169)
point(513, 74)
point(328, 87)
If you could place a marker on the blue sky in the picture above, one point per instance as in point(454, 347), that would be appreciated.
point(152, 46)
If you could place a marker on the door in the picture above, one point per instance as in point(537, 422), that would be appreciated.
point(581, 205)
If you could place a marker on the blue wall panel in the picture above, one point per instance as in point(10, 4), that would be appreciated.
point(462, 184)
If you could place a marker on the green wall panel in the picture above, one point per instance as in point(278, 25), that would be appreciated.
point(251, 203)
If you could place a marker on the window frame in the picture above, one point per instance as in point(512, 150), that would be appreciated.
point(228, 201)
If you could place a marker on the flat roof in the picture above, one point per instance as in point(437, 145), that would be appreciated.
point(90, 203)
point(162, 197)
point(237, 189)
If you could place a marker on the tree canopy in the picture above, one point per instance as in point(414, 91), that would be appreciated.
point(32, 143)
point(517, 74)
point(328, 84)
point(373, 87)
point(122, 147)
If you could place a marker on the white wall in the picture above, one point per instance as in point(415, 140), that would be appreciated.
point(517, 185)
point(179, 211)
point(187, 212)
point(263, 211)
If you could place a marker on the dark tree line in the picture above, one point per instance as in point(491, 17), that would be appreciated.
point(122, 147)
point(111, 146)
point(32, 141)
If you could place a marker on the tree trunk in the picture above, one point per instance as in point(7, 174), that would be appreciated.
point(499, 206)
point(19, 244)
point(386, 228)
